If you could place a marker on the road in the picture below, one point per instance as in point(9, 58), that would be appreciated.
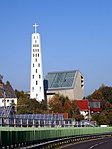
point(93, 144)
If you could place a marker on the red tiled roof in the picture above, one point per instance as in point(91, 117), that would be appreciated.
point(82, 104)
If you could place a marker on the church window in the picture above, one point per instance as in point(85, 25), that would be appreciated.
point(33, 65)
point(36, 82)
point(35, 41)
point(32, 88)
point(36, 70)
point(38, 64)
point(34, 37)
point(36, 95)
point(38, 50)
point(33, 76)
point(38, 55)
point(39, 76)
point(36, 60)
point(40, 88)
point(35, 45)
point(35, 55)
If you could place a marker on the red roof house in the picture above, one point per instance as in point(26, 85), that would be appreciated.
point(84, 105)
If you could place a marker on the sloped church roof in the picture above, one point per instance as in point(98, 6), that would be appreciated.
point(61, 80)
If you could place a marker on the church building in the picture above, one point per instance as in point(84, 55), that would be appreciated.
point(66, 83)
point(36, 81)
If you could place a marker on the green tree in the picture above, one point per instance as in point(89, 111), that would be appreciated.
point(104, 94)
point(25, 105)
point(20, 94)
point(28, 106)
point(60, 104)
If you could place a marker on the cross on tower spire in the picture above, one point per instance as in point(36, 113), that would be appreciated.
point(35, 27)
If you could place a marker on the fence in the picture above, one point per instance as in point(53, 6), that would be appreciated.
point(23, 136)
point(19, 122)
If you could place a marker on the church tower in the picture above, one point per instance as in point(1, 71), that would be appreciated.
point(36, 82)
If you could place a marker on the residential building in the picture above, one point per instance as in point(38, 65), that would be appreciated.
point(7, 95)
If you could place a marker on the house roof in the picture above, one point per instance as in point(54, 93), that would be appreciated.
point(61, 80)
point(82, 104)
point(9, 92)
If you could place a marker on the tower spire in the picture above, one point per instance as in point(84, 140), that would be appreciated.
point(36, 86)
point(35, 27)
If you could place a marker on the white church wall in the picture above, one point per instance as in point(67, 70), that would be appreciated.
point(36, 82)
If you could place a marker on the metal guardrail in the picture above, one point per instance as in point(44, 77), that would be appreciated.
point(59, 142)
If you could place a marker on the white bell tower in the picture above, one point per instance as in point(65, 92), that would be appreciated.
point(36, 82)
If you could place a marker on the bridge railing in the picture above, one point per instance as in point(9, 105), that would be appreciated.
point(13, 136)
point(67, 140)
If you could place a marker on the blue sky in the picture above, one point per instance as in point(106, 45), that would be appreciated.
point(75, 34)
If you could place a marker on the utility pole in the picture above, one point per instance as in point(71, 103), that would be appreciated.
point(89, 114)
point(4, 95)
point(4, 104)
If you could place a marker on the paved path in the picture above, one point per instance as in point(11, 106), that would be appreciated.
point(93, 144)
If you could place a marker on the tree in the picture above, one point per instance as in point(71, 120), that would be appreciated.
point(20, 94)
point(55, 104)
point(43, 105)
point(30, 106)
point(8, 83)
point(60, 104)
point(104, 94)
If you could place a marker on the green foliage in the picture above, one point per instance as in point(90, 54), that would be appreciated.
point(104, 94)
point(8, 83)
point(25, 105)
point(60, 104)
point(19, 94)
point(78, 117)
point(43, 105)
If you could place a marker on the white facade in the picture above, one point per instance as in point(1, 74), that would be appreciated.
point(9, 101)
point(36, 84)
